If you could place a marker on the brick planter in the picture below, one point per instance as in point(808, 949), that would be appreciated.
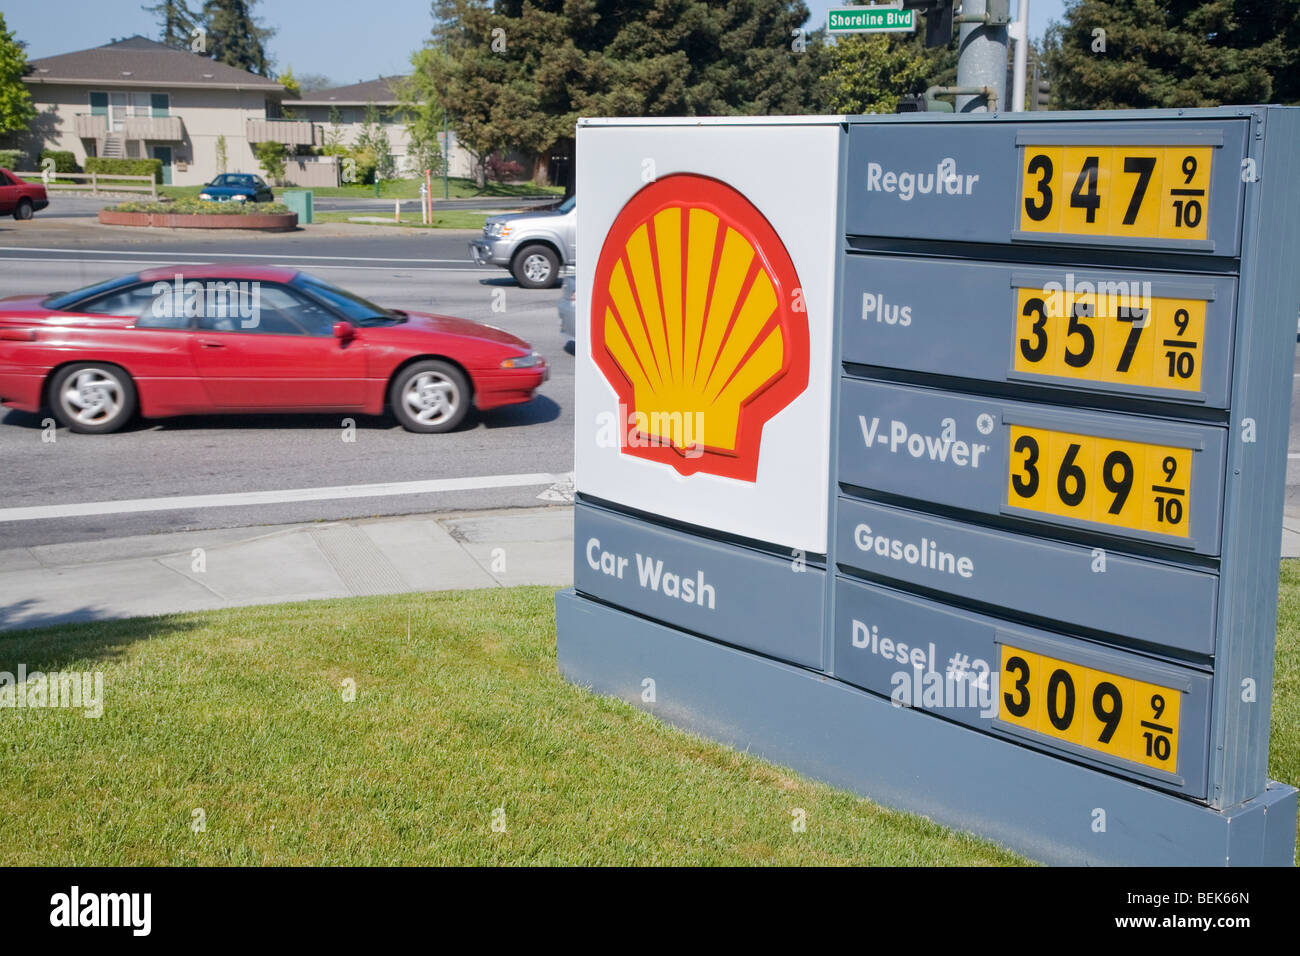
point(267, 222)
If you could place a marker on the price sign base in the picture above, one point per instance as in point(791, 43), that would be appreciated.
point(1046, 808)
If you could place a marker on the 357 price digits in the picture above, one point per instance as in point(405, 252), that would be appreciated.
point(1108, 481)
point(1157, 192)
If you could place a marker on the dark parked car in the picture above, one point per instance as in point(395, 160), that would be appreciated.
point(19, 197)
point(237, 187)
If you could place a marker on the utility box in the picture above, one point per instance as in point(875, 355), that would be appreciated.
point(299, 201)
point(943, 458)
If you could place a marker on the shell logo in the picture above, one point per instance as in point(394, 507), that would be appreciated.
point(698, 323)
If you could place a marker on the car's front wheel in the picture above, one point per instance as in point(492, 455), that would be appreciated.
point(92, 398)
point(536, 267)
point(23, 210)
point(430, 396)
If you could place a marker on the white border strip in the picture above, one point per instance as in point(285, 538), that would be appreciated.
point(243, 498)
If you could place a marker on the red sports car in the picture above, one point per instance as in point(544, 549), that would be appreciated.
point(19, 197)
point(203, 339)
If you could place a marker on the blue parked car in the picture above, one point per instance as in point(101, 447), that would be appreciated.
point(237, 187)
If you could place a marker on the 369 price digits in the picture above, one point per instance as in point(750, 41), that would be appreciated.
point(1155, 192)
point(1120, 716)
point(1125, 484)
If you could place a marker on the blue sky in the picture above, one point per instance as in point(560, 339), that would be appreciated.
point(331, 37)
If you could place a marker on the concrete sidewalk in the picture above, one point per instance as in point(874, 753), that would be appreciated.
point(203, 570)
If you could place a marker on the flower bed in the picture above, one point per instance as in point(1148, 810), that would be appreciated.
point(197, 214)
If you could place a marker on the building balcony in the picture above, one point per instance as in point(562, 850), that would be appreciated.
point(162, 129)
point(289, 132)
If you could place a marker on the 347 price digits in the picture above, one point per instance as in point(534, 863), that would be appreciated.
point(1116, 715)
point(1158, 192)
point(1125, 484)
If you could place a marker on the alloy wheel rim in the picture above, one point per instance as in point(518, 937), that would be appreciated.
point(93, 397)
point(431, 398)
point(537, 268)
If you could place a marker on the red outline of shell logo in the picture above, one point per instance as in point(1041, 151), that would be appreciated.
point(698, 322)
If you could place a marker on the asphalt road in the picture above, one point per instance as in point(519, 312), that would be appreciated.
point(223, 455)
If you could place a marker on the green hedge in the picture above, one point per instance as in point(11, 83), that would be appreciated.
point(105, 165)
point(64, 161)
point(11, 159)
point(198, 206)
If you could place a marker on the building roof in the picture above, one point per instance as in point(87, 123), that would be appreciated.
point(139, 61)
point(382, 92)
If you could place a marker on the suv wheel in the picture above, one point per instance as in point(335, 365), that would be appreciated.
point(430, 396)
point(536, 267)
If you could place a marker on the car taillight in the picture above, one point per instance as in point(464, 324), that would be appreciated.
point(18, 335)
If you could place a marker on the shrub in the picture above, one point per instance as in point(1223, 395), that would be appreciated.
point(502, 170)
point(12, 159)
point(271, 157)
point(64, 160)
point(105, 165)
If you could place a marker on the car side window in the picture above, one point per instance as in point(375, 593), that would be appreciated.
point(5, 180)
point(150, 310)
point(266, 308)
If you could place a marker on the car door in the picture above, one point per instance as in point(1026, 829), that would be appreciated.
point(262, 345)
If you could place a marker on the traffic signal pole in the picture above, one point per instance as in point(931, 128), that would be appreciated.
point(982, 55)
point(1019, 32)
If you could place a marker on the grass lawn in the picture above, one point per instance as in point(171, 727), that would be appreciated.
point(402, 189)
point(242, 713)
point(451, 219)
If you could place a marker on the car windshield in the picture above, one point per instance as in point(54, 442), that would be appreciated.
point(358, 310)
point(230, 179)
point(65, 300)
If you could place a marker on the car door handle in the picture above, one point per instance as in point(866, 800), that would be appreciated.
point(211, 344)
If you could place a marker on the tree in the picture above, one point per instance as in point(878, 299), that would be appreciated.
point(222, 158)
point(271, 156)
point(868, 72)
point(372, 143)
point(235, 37)
point(1115, 54)
point(16, 109)
point(314, 82)
point(290, 83)
point(176, 22)
point(519, 73)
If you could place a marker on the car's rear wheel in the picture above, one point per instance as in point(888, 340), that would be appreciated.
point(430, 396)
point(93, 398)
point(23, 210)
point(536, 267)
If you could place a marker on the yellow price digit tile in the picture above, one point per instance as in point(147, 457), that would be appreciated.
point(1179, 341)
point(1040, 189)
point(1129, 348)
point(1119, 716)
point(1107, 481)
point(1086, 186)
point(1185, 207)
point(1137, 178)
point(1036, 330)
point(1155, 734)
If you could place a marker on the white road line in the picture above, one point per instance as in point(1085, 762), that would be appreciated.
point(284, 265)
point(1294, 455)
point(287, 496)
point(223, 255)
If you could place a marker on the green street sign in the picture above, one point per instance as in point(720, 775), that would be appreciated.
point(870, 20)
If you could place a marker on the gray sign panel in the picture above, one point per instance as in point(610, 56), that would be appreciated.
point(721, 591)
point(1143, 184)
point(921, 654)
point(1152, 334)
point(1135, 599)
point(1135, 477)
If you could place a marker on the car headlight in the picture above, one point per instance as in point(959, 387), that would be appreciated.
point(206, 196)
point(531, 360)
point(239, 197)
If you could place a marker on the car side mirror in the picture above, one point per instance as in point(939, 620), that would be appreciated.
point(344, 332)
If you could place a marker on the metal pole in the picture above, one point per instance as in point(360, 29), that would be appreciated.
point(1019, 32)
point(982, 56)
point(446, 157)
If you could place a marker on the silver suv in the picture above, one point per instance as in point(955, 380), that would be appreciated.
point(534, 246)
